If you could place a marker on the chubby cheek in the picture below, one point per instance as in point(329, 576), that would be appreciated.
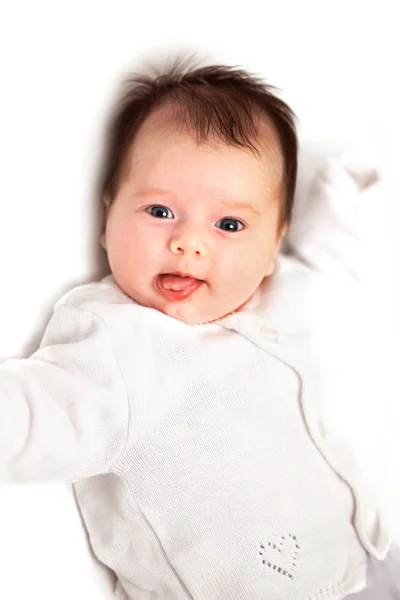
point(134, 255)
point(120, 250)
point(247, 267)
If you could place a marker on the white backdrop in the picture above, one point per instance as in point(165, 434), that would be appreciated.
point(60, 63)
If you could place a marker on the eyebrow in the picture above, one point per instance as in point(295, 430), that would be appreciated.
point(240, 206)
point(223, 202)
point(151, 192)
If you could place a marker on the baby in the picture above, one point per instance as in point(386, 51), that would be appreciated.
point(183, 394)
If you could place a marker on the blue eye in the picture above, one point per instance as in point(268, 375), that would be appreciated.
point(160, 212)
point(230, 224)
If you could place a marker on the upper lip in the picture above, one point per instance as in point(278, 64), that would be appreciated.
point(182, 274)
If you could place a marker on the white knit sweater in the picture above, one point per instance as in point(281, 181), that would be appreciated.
point(207, 460)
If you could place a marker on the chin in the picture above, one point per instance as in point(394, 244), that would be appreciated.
point(187, 314)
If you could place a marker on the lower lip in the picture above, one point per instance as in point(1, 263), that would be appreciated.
point(178, 296)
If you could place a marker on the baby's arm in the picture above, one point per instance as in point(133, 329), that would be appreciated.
point(326, 232)
point(63, 411)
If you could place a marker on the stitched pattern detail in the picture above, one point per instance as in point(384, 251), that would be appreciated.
point(280, 559)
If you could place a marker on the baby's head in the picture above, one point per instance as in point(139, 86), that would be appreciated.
point(198, 187)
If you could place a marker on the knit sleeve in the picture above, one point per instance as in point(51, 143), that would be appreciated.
point(327, 232)
point(63, 411)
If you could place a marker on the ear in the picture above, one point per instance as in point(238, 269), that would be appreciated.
point(271, 268)
point(282, 232)
point(106, 202)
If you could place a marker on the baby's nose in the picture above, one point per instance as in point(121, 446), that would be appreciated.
point(191, 244)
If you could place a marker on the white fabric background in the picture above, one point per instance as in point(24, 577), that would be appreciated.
point(60, 64)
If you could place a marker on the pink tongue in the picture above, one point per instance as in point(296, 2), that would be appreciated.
point(176, 283)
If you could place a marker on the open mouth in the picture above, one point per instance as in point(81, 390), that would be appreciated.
point(176, 287)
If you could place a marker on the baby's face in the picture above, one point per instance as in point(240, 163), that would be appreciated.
point(209, 212)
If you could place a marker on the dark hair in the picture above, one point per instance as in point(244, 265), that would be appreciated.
point(213, 100)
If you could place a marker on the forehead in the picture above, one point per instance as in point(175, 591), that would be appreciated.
point(166, 153)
